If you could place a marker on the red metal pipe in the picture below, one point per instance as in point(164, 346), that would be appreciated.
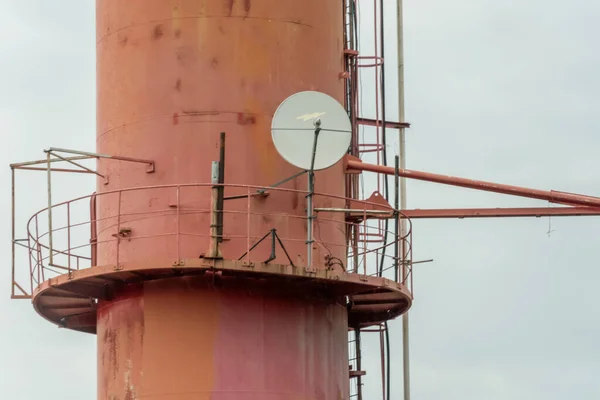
point(552, 196)
point(501, 212)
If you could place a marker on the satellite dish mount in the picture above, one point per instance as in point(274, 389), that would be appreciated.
point(311, 191)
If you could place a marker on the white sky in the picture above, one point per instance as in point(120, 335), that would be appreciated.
point(501, 91)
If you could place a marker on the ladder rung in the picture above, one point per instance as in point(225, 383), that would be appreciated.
point(355, 374)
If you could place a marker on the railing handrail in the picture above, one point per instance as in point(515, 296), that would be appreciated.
point(37, 247)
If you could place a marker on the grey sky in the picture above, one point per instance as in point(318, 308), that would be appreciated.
point(502, 91)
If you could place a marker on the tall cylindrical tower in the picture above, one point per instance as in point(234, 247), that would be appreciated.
point(172, 75)
point(201, 289)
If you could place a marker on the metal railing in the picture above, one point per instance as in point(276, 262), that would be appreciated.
point(78, 239)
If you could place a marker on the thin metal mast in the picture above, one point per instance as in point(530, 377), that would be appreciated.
point(402, 151)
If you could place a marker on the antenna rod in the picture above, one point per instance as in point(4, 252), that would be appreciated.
point(311, 190)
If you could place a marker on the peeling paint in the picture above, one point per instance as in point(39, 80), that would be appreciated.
point(130, 393)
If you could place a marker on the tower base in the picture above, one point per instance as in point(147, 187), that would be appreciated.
point(219, 338)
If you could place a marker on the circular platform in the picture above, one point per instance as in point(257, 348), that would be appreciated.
point(71, 300)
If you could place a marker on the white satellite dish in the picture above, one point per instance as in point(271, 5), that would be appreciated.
point(294, 124)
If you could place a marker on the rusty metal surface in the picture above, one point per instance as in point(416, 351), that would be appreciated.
point(186, 339)
point(68, 300)
point(173, 74)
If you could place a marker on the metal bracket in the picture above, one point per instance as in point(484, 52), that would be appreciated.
point(274, 240)
point(123, 233)
point(207, 263)
point(150, 163)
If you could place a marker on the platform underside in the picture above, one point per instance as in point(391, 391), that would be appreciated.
point(70, 300)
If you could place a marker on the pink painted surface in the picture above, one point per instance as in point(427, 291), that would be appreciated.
point(183, 339)
point(173, 74)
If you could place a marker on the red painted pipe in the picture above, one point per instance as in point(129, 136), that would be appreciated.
point(501, 212)
point(552, 196)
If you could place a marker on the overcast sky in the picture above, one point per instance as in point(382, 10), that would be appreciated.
point(503, 91)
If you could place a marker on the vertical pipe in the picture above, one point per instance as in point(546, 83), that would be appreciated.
point(31, 265)
point(365, 235)
point(311, 190)
point(383, 134)
point(41, 268)
point(12, 288)
point(410, 257)
point(69, 236)
point(309, 216)
point(396, 219)
point(382, 52)
point(355, 230)
point(402, 151)
point(358, 363)
point(377, 83)
point(351, 23)
point(382, 351)
point(248, 209)
point(388, 361)
point(39, 263)
point(178, 223)
point(221, 198)
point(93, 233)
point(48, 155)
point(213, 250)
point(354, 87)
point(118, 228)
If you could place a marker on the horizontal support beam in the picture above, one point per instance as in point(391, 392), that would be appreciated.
point(150, 163)
point(77, 171)
point(353, 165)
point(20, 297)
point(355, 211)
point(45, 161)
point(501, 212)
point(101, 292)
point(86, 320)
